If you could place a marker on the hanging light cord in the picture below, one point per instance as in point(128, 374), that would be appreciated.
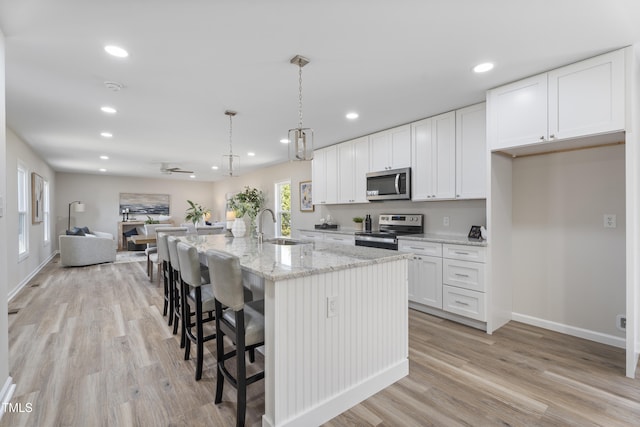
point(300, 95)
point(230, 145)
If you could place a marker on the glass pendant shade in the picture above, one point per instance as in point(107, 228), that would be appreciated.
point(301, 144)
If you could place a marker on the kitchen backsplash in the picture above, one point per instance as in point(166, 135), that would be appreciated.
point(462, 214)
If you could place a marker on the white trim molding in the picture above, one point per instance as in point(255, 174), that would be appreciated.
point(26, 280)
point(570, 330)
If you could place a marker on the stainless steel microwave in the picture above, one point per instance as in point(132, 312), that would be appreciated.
point(394, 184)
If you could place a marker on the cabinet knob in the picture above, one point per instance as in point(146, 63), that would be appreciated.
point(542, 138)
point(457, 195)
point(552, 136)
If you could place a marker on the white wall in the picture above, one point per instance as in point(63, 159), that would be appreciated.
point(101, 196)
point(265, 179)
point(568, 268)
point(4, 288)
point(20, 272)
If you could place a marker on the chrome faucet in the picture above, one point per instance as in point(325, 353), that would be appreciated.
point(260, 233)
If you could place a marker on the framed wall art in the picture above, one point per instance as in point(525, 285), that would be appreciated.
point(306, 201)
point(147, 204)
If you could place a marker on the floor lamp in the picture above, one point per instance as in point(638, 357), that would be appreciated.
point(78, 208)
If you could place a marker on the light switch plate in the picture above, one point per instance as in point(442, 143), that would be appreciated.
point(609, 221)
point(332, 306)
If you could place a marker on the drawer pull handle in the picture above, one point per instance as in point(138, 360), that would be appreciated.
point(461, 253)
point(418, 249)
point(461, 275)
point(462, 303)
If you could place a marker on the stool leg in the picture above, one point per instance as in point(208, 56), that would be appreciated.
point(219, 354)
point(199, 334)
point(241, 376)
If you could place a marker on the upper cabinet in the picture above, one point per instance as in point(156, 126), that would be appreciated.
point(325, 175)
point(353, 160)
point(434, 157)
point(471, 152)
point(390, 149)
point(585, 98)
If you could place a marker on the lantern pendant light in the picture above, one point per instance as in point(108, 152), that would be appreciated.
point(231, 157)
point(300, 139)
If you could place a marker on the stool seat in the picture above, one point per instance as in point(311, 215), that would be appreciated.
point(253, 322)
point(206, 294)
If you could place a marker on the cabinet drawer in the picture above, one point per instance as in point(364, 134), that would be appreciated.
point(343, 239)
point(310, 235)
point(420, 248)
point(464, 274)
point(464, 302)
point(464, 252)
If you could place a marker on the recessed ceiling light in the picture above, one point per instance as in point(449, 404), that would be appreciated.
point(215, 168)
point(284, 141)
point(352, 116)
point(102, 170)
point(483, 68)
point(108, 110)
point(116, 51)
point(251, 153)
point(192, 176)
point(106, 134)
point(104, 157)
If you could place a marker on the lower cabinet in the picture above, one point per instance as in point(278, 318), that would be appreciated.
point(425, 280)
point(464, 302)
point(332, 237)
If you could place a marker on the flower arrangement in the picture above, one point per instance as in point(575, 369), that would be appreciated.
point(247, 202)
point(196, 212)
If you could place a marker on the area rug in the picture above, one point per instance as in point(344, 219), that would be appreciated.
point(130, 256)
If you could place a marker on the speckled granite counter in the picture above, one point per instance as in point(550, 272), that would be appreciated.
point(441, 238)
point(279, 262)
point(328, 308)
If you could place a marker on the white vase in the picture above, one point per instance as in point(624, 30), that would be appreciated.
point(239, 228)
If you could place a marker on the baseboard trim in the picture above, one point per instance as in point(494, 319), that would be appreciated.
point(6, 394)
point(338, 404)
point(26, 280)
point(570, 330)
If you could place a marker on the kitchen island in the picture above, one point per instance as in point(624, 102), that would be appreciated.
point(336, 323)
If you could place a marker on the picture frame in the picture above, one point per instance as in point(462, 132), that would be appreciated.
point(475, 233)
point(37, 198)
point(144, 204)
point(306, 197)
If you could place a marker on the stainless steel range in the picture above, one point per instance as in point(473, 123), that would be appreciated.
point(391, 226)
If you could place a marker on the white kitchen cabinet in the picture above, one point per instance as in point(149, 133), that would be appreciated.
point(311, 235)
point(433, 169)
point(581, 99)
point(390, 149)
point(463, 274)
point(464, 280)
point(471, 152)
point(353, 160)
point(425, 272)
point(464, 252)
point(325, 175)
point(342, 239)
point(464, 302)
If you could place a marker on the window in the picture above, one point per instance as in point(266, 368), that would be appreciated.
point(23, 212)
point(283, 208)
point(45, 213)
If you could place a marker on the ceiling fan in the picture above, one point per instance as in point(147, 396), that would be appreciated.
point(165, 169)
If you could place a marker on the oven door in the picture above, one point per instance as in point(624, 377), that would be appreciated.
point(377, 242)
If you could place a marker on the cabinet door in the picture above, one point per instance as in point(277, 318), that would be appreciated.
point(471, 152)
point(380, 151)
point(400, 147)
point(587, 98)
point(422, 159)
point(346, 161)
point(331, 160)
point(360, 167)
point(518, 113)
point(443, 136)
point(318, 174)
point(425, 281)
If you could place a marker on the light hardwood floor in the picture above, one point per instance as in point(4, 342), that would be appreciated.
point(89, 346)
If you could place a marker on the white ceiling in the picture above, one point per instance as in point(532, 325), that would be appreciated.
point(391, 61)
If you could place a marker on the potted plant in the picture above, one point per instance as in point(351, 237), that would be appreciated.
point(150, 220)
point(196, 213)
point(247, 202)
point(358, 222)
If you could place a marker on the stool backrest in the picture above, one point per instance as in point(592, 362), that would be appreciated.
point(189, 264)
point(226, 278)
point(172, 243)
point(162, 234)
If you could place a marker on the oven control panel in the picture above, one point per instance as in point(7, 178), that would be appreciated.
point(405, 219)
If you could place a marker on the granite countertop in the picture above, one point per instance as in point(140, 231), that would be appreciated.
point(443, 238)
point(281, 262)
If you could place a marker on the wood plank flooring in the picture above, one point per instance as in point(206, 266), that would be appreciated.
point(89, 346)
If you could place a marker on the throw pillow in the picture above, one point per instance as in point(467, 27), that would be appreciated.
point(75, 232)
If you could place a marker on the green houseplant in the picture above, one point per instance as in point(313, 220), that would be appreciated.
point(358, 221)
point(248, 202)
point(195, 213)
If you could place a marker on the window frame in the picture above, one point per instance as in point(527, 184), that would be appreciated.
point(46, 213)
point(278, 207)
point(23, 211)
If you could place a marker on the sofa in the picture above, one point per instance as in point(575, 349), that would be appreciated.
point(94, 248)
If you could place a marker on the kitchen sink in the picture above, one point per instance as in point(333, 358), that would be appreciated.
point(284, 241)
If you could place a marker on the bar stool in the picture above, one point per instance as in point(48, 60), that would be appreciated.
point(195, 291)
point(174, 292)
point(242, 322)
point(165, 265)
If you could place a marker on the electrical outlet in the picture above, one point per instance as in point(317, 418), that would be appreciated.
point(609, 221)
point(445, 221)
point(621, 322)
point(332, 306)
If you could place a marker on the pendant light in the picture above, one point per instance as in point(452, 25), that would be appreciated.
point(231, 157)
point(300, 139)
